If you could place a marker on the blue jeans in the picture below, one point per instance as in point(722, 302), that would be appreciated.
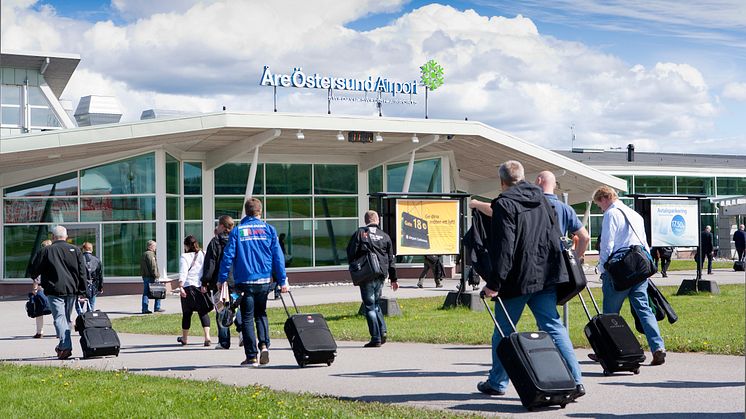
point(62, 308)
point(371, 294)
point(543, 305)
point(145, 290)
point(638, 299)
point(254, 311)
point(224, 333)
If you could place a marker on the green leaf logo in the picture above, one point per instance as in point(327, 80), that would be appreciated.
point(432, 75)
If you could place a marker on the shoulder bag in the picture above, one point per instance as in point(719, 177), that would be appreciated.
point(365, 267)
point(577, 281)
point(631, 265)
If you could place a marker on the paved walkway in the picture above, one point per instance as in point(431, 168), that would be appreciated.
point(433, 376)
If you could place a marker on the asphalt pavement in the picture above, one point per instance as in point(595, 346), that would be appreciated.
point(422, 375)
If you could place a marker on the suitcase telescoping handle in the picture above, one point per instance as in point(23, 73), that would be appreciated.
point(286, 307)
point(492, 315)
point(585, 307)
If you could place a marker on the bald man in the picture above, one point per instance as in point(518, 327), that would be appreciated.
point(566, 216)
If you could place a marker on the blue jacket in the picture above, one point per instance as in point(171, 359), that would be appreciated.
point(253, 251)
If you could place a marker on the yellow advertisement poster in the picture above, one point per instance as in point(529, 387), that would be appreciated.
point(427, 227)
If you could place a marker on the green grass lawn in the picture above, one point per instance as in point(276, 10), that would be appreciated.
point(707, 323)
point(54, 392)
point(690, 265)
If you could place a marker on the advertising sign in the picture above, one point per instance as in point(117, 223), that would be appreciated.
point(674, 222)
point(427, 227)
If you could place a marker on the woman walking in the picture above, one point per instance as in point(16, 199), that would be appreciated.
point(193, 294)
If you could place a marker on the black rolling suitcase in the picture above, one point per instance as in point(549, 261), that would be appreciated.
point(740, 265)
point(612, 340)
point(309, 336)
point(534, 364)
point(97, 338)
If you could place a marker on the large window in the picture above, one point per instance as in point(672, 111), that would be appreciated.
point(10, 105)
point(117, 199)
point(695, 185)
point(731, 186)
point(654, 184)
point(426, 176)
point(313, 207)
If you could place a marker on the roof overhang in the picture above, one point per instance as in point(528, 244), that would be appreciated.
point(57, 68)
point(475, 148)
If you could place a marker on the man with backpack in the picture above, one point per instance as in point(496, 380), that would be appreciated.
point(211, 269)
point(374, 240)
point(95, 280)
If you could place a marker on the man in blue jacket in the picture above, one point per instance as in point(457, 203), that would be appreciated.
point(253, 251)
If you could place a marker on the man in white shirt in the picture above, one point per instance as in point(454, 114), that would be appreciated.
point(617, 233)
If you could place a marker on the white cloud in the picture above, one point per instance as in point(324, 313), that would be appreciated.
point(735, 91)
point(501, 71)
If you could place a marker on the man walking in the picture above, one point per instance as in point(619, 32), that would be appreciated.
point(63, 277)
point(372, 238)
point(739, 237)
point(527, 265)
point(211, 269)
point(619, 233)
point(150, 274)
point(706, 251)
point(253, 251)
point(566, 217)
point(95, 279)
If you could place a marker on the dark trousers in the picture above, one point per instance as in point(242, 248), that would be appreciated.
point(707, 256)
point(189, 306)
point(665, 263)
point(740, 253)
point(254, 311)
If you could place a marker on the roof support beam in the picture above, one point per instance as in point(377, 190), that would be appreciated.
point(394, 152)
point(225, 154)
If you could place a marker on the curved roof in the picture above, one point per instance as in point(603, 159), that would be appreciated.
point(476, 149)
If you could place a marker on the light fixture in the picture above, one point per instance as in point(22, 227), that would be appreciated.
point(300, 135)
point(415, 139)
point(379, 138)
point(340, 136)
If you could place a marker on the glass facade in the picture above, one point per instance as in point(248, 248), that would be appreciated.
point(12, 104)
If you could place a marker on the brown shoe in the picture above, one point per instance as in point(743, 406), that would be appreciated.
point(64, 354)
point(659, 357)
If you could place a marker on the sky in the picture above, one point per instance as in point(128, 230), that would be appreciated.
point(655, 73)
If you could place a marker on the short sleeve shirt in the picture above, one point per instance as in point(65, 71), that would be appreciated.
point(568, 219)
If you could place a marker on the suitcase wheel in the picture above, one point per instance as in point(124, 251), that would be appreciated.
point(607, 373)
point(563, 405)
point(636, 370)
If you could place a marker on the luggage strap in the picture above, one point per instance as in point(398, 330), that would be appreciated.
point(286, 307)
point(492, 315)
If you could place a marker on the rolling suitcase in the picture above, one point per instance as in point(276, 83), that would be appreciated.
point(612, 340)
point(740, 265)
point(97, 342)
point(309, 336)
point(534, 364)
point(92, 319)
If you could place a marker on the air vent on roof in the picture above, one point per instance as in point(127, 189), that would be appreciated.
point(97, 110)
point(587, 150)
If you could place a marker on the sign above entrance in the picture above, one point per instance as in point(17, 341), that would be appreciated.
point(371, 84)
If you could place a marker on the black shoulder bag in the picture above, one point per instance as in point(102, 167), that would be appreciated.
point(630, 265)
point(366, 266)
point(577, 281)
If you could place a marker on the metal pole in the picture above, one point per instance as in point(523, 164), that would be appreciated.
point(565, 309)
point(252, 177)
point(274, 96)
point(408, 175)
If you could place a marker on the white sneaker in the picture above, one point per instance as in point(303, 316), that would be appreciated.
point(264, 356)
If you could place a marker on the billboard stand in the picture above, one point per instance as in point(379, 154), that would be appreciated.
point(428, 224)
point(668, 222)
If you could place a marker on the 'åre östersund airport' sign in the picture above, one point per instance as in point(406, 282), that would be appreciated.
point(377, 85)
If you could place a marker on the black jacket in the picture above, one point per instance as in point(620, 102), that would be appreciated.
point(525, 251)
point(62, 269)
point(706, 238)
point(93, 268)
point(739, 237)
point(380, 244)
point(476, 243)
point(211, 266)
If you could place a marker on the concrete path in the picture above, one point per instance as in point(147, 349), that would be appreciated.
point(432, 376)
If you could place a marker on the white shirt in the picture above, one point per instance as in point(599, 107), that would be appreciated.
point(616, 233)
point(191, 277)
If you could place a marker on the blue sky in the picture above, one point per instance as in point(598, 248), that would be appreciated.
point(688, 64)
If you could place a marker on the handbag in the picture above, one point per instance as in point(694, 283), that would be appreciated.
point(156, 290)
point(37, 305)
point(576, 277)
point(630, 266)
point(202, 301)
point(365, 267)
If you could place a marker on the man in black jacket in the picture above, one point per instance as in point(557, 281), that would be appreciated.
point(211, 268)
point(526, 261)
point(63, 277)
point(739, 239)
point(372, 237)
point(706, 251)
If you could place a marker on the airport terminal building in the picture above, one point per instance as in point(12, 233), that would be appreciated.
point(118, 185)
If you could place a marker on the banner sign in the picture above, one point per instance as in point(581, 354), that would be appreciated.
point(674, 222)
point(427, 227)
